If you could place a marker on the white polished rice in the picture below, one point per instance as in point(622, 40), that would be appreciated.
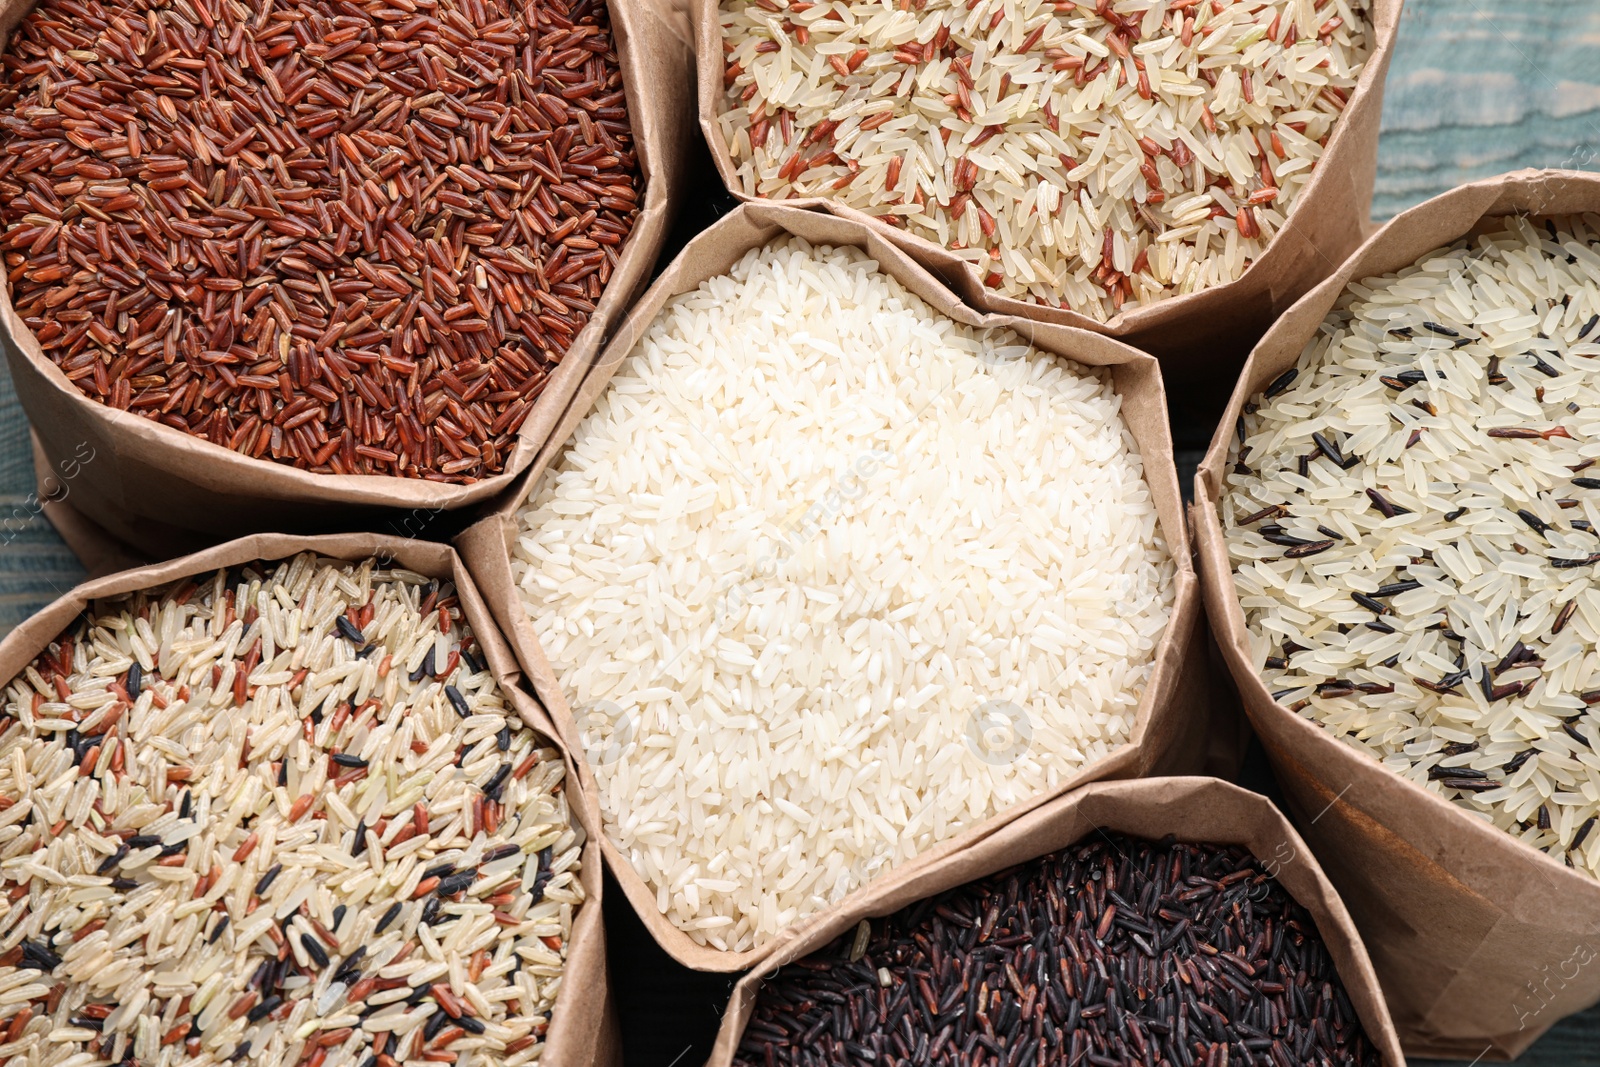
point(216, 793)
point(838, 577)
point(1091, 156)
point(1466, 520)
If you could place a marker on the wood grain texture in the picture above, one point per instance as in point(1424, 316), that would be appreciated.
point(35, 567)
point(1479, 87)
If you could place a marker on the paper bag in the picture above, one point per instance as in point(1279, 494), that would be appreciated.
point(1324, 226)
point(1172, 729)
point(582, 1029)
point(1481, 942)
point(1194, 810)
point(164, 491)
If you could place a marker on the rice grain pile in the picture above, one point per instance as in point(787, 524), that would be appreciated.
point(1115, 951)
point(838, 578)
point(1093, 156)
point(1412, 519)
point(281, 816)
point(356, 238)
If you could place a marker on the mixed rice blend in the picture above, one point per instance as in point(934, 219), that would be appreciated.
point(1093, 155)
point(280, 815)
point(1413, 519)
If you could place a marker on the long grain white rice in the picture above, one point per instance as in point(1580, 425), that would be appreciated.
point(1467, 517)
point(215, 794)
point(1165, 169)
point(838, 577)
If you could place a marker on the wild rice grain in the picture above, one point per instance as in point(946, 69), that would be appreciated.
point(1451, 631)
point(1094, 156)
point(1113, 951)
point(812, 553)
point(350, 237)
point(109, 882)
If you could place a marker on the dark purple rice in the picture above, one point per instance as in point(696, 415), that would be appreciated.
point(1113, 951)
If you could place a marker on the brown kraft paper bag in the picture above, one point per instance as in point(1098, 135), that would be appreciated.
point(583, 1030)
point(99, 552)
point(1481, 942)
point(1193, 810)
point(1172, 730)
point(164, 491)
point(1325, 225)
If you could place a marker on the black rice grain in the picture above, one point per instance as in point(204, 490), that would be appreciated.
point(1282, 382)
point(267, 879)
point(388, 917)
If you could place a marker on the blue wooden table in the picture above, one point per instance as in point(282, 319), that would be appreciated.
point(1476, 88)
